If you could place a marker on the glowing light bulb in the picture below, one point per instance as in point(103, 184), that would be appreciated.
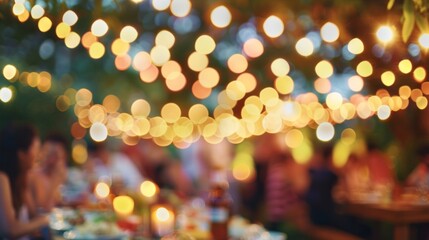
point(385, 34)
point(273, 26)
point(329, 32)
point(221, 17)
point(424, 40)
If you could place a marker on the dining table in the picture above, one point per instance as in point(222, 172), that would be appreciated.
point(401, 215)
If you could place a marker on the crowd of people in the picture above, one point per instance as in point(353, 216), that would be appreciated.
point(35, 174)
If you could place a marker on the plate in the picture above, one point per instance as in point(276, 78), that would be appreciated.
point(75, 235)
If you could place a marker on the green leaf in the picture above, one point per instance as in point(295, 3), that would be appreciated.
point(390, 4)
point(409, 20)
point(422, 23)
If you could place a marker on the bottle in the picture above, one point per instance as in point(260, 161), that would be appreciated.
point(219, 206)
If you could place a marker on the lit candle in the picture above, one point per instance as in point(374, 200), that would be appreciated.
point(123, 205)
point(149, 191)
point(162, 220)
point(102, 190)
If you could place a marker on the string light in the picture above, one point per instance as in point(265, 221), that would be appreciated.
point(105, 120)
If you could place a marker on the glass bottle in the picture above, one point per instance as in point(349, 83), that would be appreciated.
point(219, 206)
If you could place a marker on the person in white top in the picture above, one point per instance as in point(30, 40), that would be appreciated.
point(50, 173)
point(19, 146)
point(115, 166)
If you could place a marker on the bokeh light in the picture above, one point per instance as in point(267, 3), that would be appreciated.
point(37, 11)
point(171, 112)
point(9, 71)
point(424, 40)
point(165, 38)
point(120, 47)
point(384, 34)
point(322, 85)
point(273, 26)
point(383, 112)
point(237, 63)
point(161, 5)
point(70, 18)
point(88, 39)
point(199, 91)
point(197, 61)
point(355, 83)
point(148, 189)
point(364, 69)
point(18, 8)
point(248, 80)
point(175, 81)
point(334, 100)
point(123, 205)
point(355, 46)
point(198, 114)
point(329, 32)
point(150, 74)
point(140, 108)
point(44, 24)
point(325, 132)
point(294, 138)
point(123, 62)
point(162, 214)
point(220, 17)
point(180, 8)
point(99, 28)
point(97, 50)
point(79, 153)
point(209, 77)
point(102, 190)
point(388, 78)
point(280, 67)
point(159, 55)
point(5, 94)
point(324, 69)
point(304, 47)
point(98, 132)
point(284, 85)
point(253, 48)
point(405, 66)
point(205, 44)
point(62, 30)
point(72, 40)
point(128, 34)
point(419, 74)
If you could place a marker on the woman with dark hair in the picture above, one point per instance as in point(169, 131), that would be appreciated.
point(19, 146)
point(50, 173)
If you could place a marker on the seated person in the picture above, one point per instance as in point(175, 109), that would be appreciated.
point(115, 166)
point(51, 172)
point(419, 178)
point(19, 146)
point(319, 195)
point(420, 175)
point(275, 194)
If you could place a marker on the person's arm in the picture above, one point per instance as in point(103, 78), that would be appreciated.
point(45, 188)
point(10, 227)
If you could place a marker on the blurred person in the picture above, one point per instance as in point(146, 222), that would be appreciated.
point(355, 176)
point(19, 147)
point(380, 166)
point(420, 175)
point(321, 205)
point(113, 165)
point(418, 180)
point(157, 165)
point(278, 187)
point(51, 172)
point(322, 181)
point(368, 172)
